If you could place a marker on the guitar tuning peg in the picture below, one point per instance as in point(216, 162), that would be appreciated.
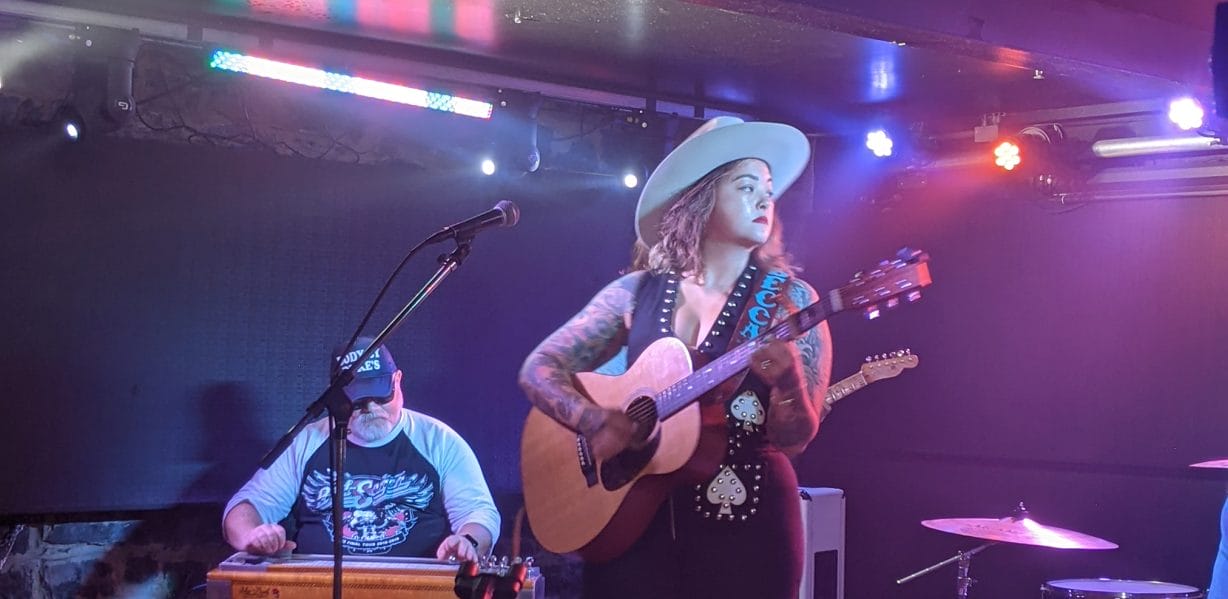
point(871, 312)
point(892, 302)
point(908, 254)
point(913, 295)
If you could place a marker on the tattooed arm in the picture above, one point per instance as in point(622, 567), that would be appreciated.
point(583, 343)
point(797, 397)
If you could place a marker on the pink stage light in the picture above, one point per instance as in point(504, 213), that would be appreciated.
point(311, 77)
point(1186, 113)
point(1007, 156)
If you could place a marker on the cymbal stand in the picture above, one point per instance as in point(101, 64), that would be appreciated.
point(962, 581)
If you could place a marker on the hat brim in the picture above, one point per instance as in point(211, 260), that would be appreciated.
point(373, 388)
point(785, 150)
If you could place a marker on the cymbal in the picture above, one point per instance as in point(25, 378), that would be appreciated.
point(1211, 464)
point(1024, 532)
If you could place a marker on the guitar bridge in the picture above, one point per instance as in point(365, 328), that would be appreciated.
point(587, 466)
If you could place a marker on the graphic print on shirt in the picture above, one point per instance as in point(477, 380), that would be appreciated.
point(379, 511)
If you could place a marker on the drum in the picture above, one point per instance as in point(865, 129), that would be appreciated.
point(1107, 588)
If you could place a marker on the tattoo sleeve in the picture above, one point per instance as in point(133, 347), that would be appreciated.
point(793, 424)
point(583, 343)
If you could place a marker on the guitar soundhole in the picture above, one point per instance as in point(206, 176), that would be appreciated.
point(622, 468)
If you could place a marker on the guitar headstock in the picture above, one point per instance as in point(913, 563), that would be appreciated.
point(886, 366)
point(885, 285)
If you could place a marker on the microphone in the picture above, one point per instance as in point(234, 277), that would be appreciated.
point(504, 214)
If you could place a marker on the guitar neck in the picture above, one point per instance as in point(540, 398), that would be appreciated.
point(681, 394)
point(842, 389)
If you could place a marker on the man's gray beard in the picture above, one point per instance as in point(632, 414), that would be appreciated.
point(369, 430)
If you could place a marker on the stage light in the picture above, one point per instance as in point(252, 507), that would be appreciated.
point(391, 92)
point(1186, 113)
point(103, 61)
point(1007, 155)
point(69, 123)
point(488, 167)
point(1032, 148)
point(514, 132)
point(879, 142)
point(631, 181)
point(1142, 146)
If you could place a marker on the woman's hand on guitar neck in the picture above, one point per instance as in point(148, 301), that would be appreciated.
point(779, 365)
point(612, 433)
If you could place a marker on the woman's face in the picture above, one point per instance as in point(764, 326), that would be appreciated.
point(745, 208)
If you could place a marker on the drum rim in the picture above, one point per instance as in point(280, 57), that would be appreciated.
point(1185, 588)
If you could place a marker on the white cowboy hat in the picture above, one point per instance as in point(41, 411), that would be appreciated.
point(716, 142)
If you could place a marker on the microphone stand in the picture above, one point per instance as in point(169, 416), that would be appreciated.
point(338, 405)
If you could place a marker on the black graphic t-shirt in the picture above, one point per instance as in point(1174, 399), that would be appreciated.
point(389, 493)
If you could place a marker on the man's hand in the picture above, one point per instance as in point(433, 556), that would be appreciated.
point(458, 547)
point(267, 539)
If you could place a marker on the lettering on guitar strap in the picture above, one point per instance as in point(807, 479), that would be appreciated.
point(733, 493)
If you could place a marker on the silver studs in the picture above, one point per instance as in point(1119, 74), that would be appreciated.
point(726, 314)
point(669, 300)
point(737, 294)
point(755, 488)
point(754, 500)
point(752, 511)
point(698, 507)
point(664, 330)
point(721, 322)
point(758, 477)
point(664, 319)
point(732, 304)
point(742, 285)
point(744, 516)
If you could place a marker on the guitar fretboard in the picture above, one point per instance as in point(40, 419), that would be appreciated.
point(679, 395)
point(839, 390)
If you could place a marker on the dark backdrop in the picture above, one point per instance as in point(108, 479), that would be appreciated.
point(168, 311)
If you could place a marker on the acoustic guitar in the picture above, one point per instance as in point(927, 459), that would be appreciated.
point(598, 508)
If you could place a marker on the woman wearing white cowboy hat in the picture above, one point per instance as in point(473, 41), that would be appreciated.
point(713, 274)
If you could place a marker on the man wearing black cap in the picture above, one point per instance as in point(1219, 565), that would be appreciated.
point(413, 487)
